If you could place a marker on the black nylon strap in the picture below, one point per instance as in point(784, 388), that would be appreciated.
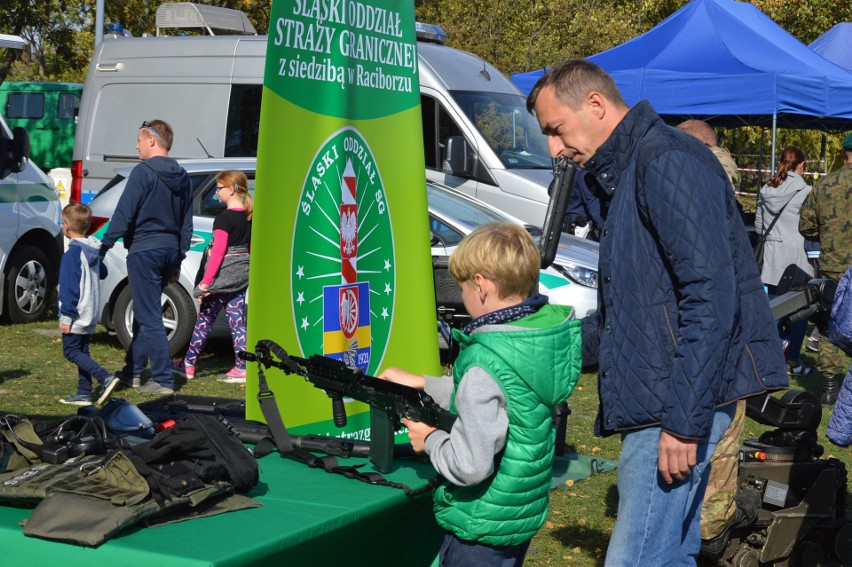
point(774, 220)
point(281, 439)
point(266, 399)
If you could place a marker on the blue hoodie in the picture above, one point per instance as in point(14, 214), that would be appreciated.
point(79, 275)
point(155, 210)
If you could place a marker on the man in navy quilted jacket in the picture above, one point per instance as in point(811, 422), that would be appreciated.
point(683, 326)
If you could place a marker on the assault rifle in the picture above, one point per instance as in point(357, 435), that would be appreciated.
point(388, 401)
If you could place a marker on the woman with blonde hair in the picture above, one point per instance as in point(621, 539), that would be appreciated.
point(222, 280)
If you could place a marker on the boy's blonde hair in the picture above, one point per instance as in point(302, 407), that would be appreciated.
point(502, 252)
point(77, 217)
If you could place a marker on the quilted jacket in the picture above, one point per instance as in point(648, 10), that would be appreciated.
point(683, 324)
point(839, 429)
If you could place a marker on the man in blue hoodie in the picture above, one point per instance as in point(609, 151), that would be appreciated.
point(154, 216)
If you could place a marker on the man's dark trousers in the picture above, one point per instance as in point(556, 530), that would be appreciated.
point(149, 272)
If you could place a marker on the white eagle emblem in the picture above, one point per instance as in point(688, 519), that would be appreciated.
point(349, 231)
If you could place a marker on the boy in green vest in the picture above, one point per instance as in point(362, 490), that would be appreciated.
point(519, 358)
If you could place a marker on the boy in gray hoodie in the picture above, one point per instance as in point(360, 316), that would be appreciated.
point(79, 281)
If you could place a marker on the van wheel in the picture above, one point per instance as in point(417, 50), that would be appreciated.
point(178, 317)
point(27, 289)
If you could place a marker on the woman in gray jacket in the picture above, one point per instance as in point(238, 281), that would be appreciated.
point(782, 197)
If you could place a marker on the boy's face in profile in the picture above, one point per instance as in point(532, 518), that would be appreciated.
point(66, 229)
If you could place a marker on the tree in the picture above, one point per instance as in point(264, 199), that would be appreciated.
point(514, 35)
point(52, 31)
point(60, 34)
point(520, 36)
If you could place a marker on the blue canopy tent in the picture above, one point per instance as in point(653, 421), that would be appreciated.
point(728, 63)
point(836, 45)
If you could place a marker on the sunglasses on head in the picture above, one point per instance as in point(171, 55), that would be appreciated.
point(147, 124)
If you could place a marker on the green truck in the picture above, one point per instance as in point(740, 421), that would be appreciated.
point(48, 112)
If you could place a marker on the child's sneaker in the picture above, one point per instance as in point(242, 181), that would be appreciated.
point(233, 376)
point(106, 390)
point(181, 370)
point(77, 400)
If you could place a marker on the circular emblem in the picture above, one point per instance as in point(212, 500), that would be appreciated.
point(349, 313)
point(343, 276)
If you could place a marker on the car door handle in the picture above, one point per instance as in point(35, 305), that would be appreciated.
point(196, 239)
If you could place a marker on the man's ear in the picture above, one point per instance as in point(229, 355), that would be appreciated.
point(151, 140)
point(597, 104)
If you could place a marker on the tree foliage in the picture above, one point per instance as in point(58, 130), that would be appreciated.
point(514, 35)
point(519, 36)
point(60, 34)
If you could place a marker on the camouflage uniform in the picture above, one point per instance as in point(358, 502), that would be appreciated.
point(728, 163)
point(719, 507)
point(826, 216)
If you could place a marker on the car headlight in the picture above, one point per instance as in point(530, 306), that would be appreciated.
point(578, 274)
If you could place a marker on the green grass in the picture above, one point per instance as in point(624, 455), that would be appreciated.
point(582, 517)
point(34, 375)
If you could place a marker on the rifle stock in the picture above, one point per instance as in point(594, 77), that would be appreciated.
point(554, 218)
point(388, 401)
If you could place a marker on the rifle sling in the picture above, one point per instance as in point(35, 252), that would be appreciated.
point(281, 439)
point(266, 399)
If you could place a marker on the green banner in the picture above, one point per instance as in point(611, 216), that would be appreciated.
point(341, 261)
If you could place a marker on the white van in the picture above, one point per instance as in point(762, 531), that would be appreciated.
point(31, 242)
point(478, 136)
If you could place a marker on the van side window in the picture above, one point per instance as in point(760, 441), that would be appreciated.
point(438, 125)
point(243, 121)
point(25, 105)
point(67, 105)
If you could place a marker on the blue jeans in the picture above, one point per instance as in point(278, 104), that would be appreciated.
point(75, 348)
point(658, 523)
point(795, 334)
point(149, 272)
point(457, 552)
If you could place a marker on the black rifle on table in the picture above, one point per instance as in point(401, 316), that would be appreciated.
point(388, 401)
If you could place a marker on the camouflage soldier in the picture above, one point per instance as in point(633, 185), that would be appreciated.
point(826, 216)
point(704, 132)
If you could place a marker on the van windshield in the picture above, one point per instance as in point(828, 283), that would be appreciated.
point(511, 131)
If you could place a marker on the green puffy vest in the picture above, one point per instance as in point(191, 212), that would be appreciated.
point(536, 362)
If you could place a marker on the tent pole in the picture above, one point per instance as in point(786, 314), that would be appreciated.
point(774, 135)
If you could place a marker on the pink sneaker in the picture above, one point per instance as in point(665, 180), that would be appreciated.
point(181, 370)
point(233, 376)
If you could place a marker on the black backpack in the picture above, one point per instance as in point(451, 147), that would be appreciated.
point(209, 445)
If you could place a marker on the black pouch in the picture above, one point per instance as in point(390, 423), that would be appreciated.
point(211, 444)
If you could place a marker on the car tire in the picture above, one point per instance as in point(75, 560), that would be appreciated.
point(28, 288)
point(179, 317)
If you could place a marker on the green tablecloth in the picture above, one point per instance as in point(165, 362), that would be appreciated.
point(308, 517)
